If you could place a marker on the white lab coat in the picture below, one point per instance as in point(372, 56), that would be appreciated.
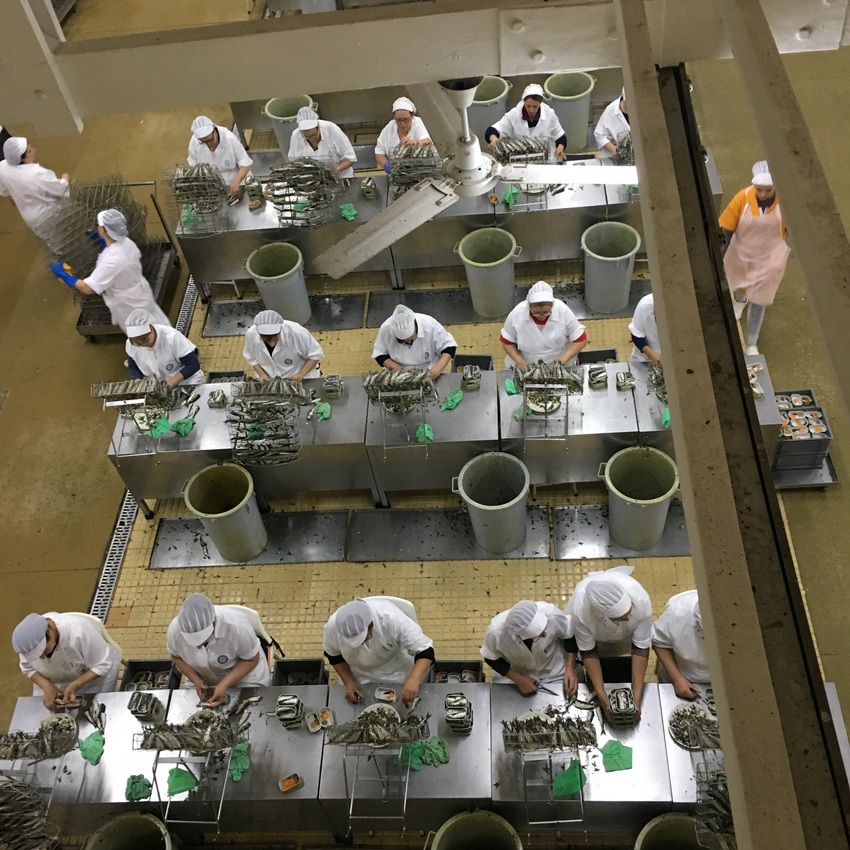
point(388, 138)
point(36, 191)
point(228, 157)
point(513, 125)
point(81, 647)
point(545, 660)
point(643, 324)
point(679, 630)
point(233, 640)
point(611, 127)
point(388, 655)
point(334, 147)
point(431, 339)
point(294, 348)
point(612, 638)
point(541, 342)
point(117, 277)
point(163, 359)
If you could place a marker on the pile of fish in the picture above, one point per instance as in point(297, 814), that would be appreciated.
point(657, 382)
point(694, 728)
point(571, 377)
point(204, 732)
point(54, 737)
point(521, 150)
point(263, 430)
point(551, 729)
point(410, 164)
point(399, 391)
point(302, 191)
point(625, 152)
point(197, 186)
point(714, 810)
point(280, 388)
point(155, 392)
point(380, 726)
point(23, 816)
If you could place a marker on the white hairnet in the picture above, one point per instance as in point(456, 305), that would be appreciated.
point(540, 292)
point(307, 118)
point(533, 90)
point(525, 620)
point(268, 322)
point(761, 174)
point(403, 322)
point(30, 636)
point(196, 617)
point(202, 127)
point(608, 597)
point(403, 103)
point(114, 223)
point(138, 323)
point(14, 149)
point(352, 622)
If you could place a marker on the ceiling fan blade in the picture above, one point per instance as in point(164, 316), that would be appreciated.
point(414, 207)
point(571, 172)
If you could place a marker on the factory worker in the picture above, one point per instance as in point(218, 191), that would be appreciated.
point(405, 128)
point(117, 275)
point(322, 140)
point(541, 328)
point(375, 642)
point(159, 351)
point(530, 118)
point(531, 644)
point(612, 127)
point(755, 252)
point(644, 331)
point(409, 340)
point(611, 615)
point(679, 642)
point(214, 145)
point(65, 655)
point(278, 348)
point(35, 191)
point(215, 646)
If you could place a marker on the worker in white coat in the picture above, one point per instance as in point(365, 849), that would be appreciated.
point(644, 330)
point(611, 615)
point(218, 146)
point(215, 646)
point(159, 351)
point(530, 118)
point(117, 275)
point(278, 348)
point(679, 643)
point(322, 140)
point(373, 641)
point(64, 655)
point(541, 328)
point(531, 644)
point(405, 128)
point(408, 340)
point(612, 127)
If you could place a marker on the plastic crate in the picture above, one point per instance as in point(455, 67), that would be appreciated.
point(457, 668)
point(483, 361)
point(808, 453)
point(137, 666)
point(313, 668)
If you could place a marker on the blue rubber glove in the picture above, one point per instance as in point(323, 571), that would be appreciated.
point(63, 271)
point(96, 238)
point(387, 167)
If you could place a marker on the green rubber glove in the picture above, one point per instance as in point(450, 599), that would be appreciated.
point(665, 417)
point(435, 751)
point(299, 207)
point(91, 748)
point(510, 196)
point(424, 434)
point(616, 756)
point(183, 426)
point(323, 410)
point(411, 754)
point(347, 211)
point(161, 426)
point(138, 788)
point(519, 413)
point(452, 400)
point(255, 431)
point(239, 761)
point(180, 780)
point(510, 387)
point(569, 781)
point(188, 217)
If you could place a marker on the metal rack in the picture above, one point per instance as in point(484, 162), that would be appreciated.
point(401, 403)
point(367, 768)
point(544, 393)
point(715, 828)
point(538, 770)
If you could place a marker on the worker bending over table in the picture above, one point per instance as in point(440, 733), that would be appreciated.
point(219, 147)
point(613, 127)
point(278, 348)
point(161, 352)
point(530, 118)
point(409, 340)
point(679, 643)
point(322, 140)
point(646, 346)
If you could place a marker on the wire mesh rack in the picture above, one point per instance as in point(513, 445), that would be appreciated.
point(24, 803)
point(302, 191)
point(263, 430)
point(194, 199)
point(410, 164)
point(715, 828)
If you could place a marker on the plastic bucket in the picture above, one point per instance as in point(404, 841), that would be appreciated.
point(609, 260)
point(278, 270)
point(494, 486)
point(282, 112)
point(130, 831)
point(489, 104)
point(488, 256)
point(222, 497)
point(477, 830)
point(569, 96)
point(673, 831)
point(641, 481)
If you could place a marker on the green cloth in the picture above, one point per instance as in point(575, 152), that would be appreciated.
point(616, 756)
point(452, 400)
point(519, 413)
point(435, 751)
point(138, 788)
point(91, 748)
point(569, 781)
point(188, 217)
point(183, 426)
point(299, 207)
point(424, 434)
point(161, 426)
point(510, 196)
point(411, 754)
point(665, 417)
point(180, 780)
point(323, 410)
point(347, 211)
point(510, 387)
point(255, 431)
point(239, 761)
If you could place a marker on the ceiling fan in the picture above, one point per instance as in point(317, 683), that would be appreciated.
point(467, 172)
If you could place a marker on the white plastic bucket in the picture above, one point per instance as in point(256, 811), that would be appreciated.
point(130, 831)
point(479, 830)
point(488, 256)
point(494, 487)
point(609, 261)
point(282, 112)
point(673, 831)
point(569, 95)
point(278, 270)
point(489, 104)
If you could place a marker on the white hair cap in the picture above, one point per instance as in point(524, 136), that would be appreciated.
point(608, 597)
point(307, 118)
point(403, 103)
point(525, 620)
point(202, 126)
point(540, 292)
point(138, 323)
point(268, 322)
point(196, 617)
point(113, 222)
point(761, 174)
point(14, 149)
point(403, 322)
point(352, 622)
point(533, 90)
point(29, 638)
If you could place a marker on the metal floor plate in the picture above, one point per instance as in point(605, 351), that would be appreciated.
point(294, 538)
point(434, 535)
point(582, 532)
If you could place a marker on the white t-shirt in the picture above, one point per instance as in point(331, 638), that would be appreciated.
point(426, 349)
point(541, 342)
point(294, 348)
point(644, 325)
point(678, 629)
point(334, 147)
point(163, 359)
point(611, 127)
point(388, 138)
point(36, 190)
point(228, 157)
point(513, 125)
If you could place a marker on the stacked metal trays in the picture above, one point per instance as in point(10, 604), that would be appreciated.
point(805, 433)
point(459, 714)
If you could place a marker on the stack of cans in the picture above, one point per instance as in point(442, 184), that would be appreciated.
point(332, 386)
point(623, 712)
point(458, 714)
point(471, 378)
point(290, 711)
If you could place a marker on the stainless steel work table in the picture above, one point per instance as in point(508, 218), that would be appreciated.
point(434, 793)
point(680, 761)
point(769, 415)
point(650, 410)
point(472, 428)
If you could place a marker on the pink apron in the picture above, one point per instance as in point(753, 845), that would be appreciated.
point(756, 257)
